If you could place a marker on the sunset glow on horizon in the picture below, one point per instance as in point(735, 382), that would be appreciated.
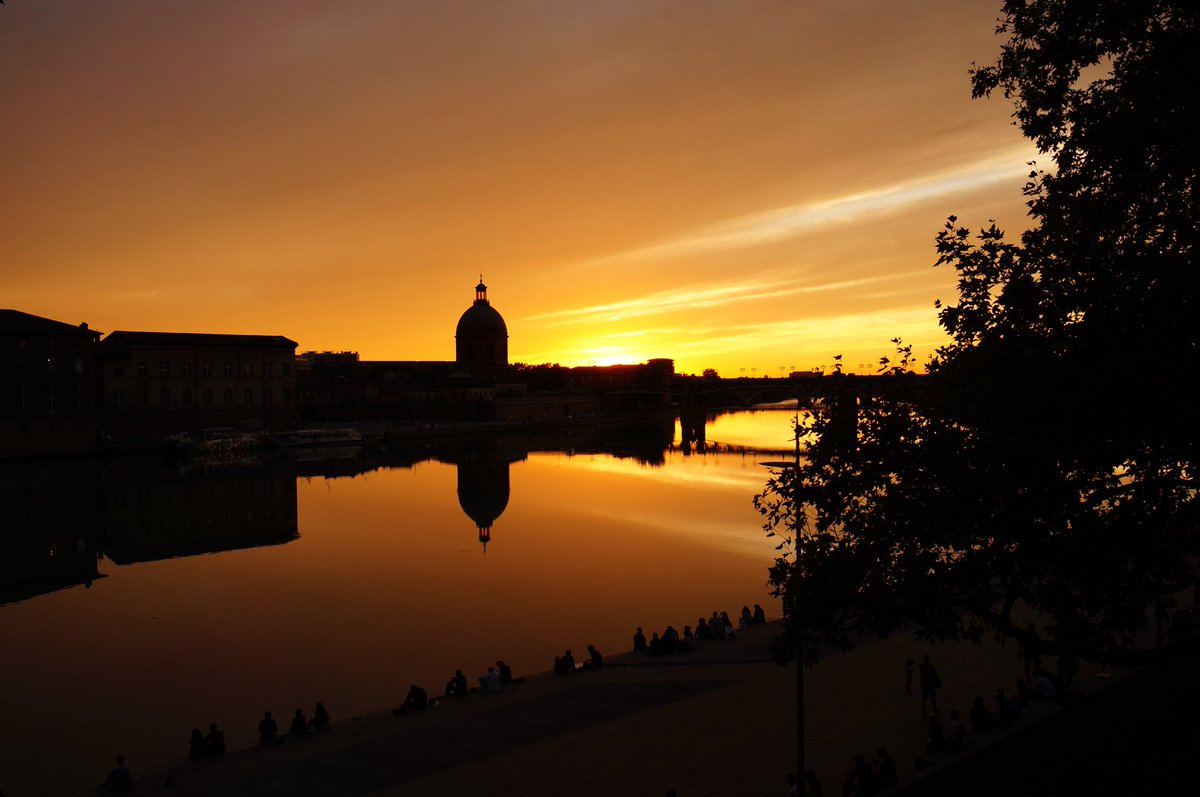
point(738, 185)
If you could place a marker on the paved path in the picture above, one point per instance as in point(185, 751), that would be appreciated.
point(716, 721)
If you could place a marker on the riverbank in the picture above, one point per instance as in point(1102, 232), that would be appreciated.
point(715, 721)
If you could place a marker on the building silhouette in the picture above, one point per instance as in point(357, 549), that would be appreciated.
point(481, 338)
point(156, 384)
point(47, 386)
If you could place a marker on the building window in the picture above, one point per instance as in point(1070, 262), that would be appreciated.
point(50, 397)
point(228, 369)
point(266, 369)
point(187, 397)
point(247, 369)
point(287, 395)
point(50, 365)
point(267, 395)
point(118, 369)
point(142, 368)
point(79, 365)
point(143, 398)
point(208, 396)
point(286, 369)
point(119, 398)
point(164, 398)
point(248, 396)
point(164, 369)
point(187, 369)
point(206, 369)
point(228, 395)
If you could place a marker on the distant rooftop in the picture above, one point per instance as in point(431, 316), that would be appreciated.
point(196, 339)
point(16, 321)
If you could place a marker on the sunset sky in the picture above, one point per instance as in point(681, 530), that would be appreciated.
point(730, 183)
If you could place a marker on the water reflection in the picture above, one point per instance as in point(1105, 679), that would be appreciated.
point(483, 485)
point(152, 513)
point(343, 579)
point(48, 534)
point(64, 516)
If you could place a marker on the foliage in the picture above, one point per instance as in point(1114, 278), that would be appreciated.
point(1048, 459)
point(710, 373)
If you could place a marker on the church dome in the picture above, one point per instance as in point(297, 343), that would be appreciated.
point(481, 338)
point(481, 319)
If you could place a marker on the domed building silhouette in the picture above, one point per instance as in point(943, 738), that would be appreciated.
point(483, 492)
point(481, 339)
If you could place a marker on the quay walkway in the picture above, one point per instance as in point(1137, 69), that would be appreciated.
point(716, 721)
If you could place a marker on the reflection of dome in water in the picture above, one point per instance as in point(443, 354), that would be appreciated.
point(483, 493)
point(481, 337)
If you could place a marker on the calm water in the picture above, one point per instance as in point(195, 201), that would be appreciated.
point(218, 592)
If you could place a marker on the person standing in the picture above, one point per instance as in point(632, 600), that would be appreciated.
point(1030, 649)
point(930, 683)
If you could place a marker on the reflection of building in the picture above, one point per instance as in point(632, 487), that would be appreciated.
point(48, 526)
point(58, 517)
point(481, 338)
point(483, 485)
point(157, 513)
point(47, 386)
point(159, 383)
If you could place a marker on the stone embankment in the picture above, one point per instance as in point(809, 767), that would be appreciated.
point(718, 720)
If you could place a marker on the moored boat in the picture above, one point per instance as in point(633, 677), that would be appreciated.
point(312, 438)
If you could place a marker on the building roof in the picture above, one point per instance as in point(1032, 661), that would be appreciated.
point(193, 340)
point(16, 321)
point(481, 319)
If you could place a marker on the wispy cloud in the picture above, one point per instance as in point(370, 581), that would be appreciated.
point(844, 331)
point(786, 222)
point(704, 297)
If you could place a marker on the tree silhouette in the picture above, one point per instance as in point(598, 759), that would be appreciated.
point(1049, 459)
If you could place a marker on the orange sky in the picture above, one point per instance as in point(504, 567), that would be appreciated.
point(730, 183)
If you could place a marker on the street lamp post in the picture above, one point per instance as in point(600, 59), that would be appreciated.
point(791, 603)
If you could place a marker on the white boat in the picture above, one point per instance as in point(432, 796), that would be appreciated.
point(311, 438)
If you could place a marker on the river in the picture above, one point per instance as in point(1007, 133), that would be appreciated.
point(143, 598)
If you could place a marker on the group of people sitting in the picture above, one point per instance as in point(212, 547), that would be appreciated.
point(1006, 709)
point(868, 778)
point(565, 664)
point(719, 626)
point(207, 746)
point(497, 677)
point(268, 728)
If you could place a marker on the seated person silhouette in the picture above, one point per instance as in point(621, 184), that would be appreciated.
point(268, 729)
point(417, 700)
point(121, 776)
point(320, 720)
point(299, 724)
point(215, 740)
point(565, 664)
point(457, 685)
point(197, 749)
